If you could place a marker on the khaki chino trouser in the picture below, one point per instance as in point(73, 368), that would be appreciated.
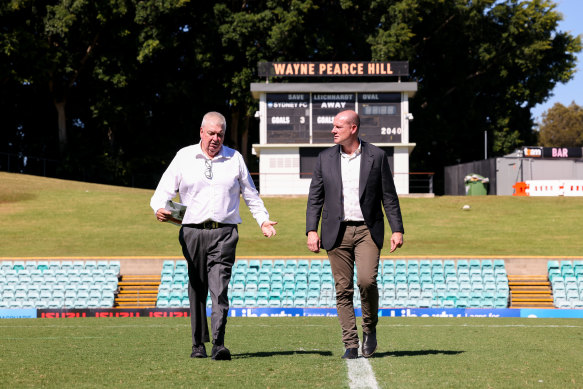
point(356, 247)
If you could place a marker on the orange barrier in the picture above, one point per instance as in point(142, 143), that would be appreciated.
point(520, 189)
point(567, 188)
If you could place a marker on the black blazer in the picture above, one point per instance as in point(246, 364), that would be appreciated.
point(376, 190)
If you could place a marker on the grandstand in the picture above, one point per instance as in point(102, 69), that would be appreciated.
point(290, 283)
point(309, 284)
point(566, 278)
point(58, 284)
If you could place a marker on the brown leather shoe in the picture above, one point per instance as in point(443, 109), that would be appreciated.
point(369, 344)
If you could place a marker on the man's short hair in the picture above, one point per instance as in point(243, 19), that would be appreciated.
point(214, 117)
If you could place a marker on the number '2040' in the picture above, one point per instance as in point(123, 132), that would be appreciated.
point(390, 131)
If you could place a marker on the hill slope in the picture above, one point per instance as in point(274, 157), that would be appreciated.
point(51, 217)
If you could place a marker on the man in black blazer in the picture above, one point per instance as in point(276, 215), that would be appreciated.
point(351, 184)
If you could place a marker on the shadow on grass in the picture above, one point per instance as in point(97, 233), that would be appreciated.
point(415, 353)
point(16, 197)
point(263, 354)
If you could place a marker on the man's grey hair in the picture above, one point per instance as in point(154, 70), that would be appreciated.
point(215, 118)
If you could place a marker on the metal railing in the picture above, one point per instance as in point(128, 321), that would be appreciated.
point(419, 182)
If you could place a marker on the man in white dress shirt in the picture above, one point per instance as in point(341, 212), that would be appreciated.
point(210, 178)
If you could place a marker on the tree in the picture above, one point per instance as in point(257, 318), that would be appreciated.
point(87, 59)
point(481, 66)
point(562, 126)
point(125, 82)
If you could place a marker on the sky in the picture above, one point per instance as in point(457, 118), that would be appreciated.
point(572, 11)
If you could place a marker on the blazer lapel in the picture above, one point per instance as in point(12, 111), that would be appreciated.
point(336, 169)
point(366, 161)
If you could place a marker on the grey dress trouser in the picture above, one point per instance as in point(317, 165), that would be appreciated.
point(210, 254)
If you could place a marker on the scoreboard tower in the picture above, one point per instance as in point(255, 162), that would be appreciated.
point(296, 120)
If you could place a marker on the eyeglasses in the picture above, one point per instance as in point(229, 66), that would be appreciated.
point(208, 173)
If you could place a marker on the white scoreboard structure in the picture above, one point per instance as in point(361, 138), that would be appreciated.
point(296, 124)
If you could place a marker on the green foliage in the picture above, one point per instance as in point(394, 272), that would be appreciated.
point(562, 126)
point(131, 79)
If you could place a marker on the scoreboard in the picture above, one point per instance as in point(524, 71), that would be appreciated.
point(324, 107)
point(288, 116)
point(308, 117)
point(380, 117)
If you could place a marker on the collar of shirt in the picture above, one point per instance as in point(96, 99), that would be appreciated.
point(356, 153)
point(223, 152)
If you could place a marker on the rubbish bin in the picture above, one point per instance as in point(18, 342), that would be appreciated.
point(476, 185)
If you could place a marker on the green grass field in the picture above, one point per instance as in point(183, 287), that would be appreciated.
point(291, 353)
point(42, 217)
point(58, 218)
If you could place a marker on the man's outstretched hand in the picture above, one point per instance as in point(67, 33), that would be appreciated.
point(268, 229)
point(396, 241)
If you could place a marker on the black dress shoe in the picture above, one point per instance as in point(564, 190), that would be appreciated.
point(369, 344)
point(220, 353)
point(351, 353)
point(198, 351)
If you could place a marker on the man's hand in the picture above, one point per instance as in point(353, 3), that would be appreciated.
point(268, 229)
point(396, 241)
point(314, 243)
point(163, 215)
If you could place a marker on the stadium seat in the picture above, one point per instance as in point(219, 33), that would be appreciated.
point(94, 303)
point(303, 264)
point(279, 264)
point(389, 287)
point(6, 265)
point(14, 304)
point(562, 303)
point(448, 303)
point(400, 294)
point(18, 266)
point(388, 267)
point(477, 286)
point(452, 286)
point(162, 303)
point(274, 301)
point(55, 303)
point(175, 303)
point(103, 265)
point(167, 271)
point(475, 300)
point(254, 264)
point(500, 302)
point(249, 299)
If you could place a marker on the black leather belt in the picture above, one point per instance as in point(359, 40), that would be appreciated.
point(208, 225)
point(353, 223)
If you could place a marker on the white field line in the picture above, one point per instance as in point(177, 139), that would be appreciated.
point(360, 374)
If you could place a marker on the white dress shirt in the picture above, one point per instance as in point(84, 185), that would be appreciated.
point(216, 198)
point(350, 169)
